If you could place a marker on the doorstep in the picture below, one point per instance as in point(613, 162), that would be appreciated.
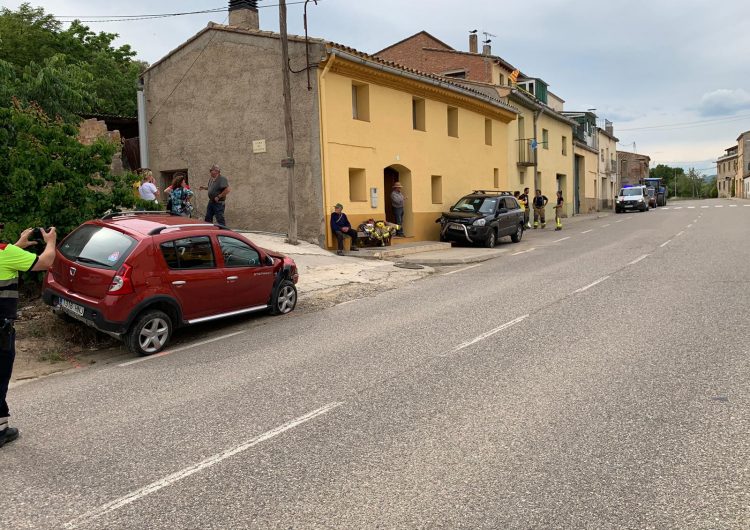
point(401, 250)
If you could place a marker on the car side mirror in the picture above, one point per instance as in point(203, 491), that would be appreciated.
point(269, 260)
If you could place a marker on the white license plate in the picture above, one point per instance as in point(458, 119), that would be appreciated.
point(71, 307)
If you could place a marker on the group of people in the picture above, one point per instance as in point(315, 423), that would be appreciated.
point(179, 195)
point(539, 203)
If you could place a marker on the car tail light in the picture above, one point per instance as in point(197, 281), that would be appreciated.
point(121, 283)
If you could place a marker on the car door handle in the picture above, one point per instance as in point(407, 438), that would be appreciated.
point(232, 278)
point(179, 282)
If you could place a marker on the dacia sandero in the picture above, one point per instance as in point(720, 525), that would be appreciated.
point(140, 275)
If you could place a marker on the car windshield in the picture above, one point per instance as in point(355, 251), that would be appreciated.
point(476, 205)
point(631, 192)
point(98, 246)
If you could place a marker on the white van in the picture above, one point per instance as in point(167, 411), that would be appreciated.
point(632, 198)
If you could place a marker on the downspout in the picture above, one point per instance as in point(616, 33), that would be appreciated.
point(537, 183)
point(323, 148)
point(142, 125)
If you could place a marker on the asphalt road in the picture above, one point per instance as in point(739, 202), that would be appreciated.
point(596, 377)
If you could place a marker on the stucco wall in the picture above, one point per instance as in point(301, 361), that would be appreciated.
point(210, 100)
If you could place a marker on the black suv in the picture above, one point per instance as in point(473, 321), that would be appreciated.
point(483, 217)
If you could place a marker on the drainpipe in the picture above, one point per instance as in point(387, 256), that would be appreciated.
point(142, 125)
point(537, 183)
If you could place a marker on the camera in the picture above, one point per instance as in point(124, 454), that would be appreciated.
point(37, 235)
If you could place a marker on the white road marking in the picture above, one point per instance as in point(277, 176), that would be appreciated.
point(461, 270)
point(680, 233)
point(605, 226)
point(677, 208)
point(638, 259)
point(733, 206)
point(665, 243)
point(587, 231)
point(690, 225)
point(665, 207)
point(523, 252)
point(563, 239)
point(193, 345)
point(709, 206)
point(195, 468)
point(620, 221)
point(691, 207)
point(742, 205)
point(490, 333)
point(718, 206)
point(589, 286)
point(346, 302)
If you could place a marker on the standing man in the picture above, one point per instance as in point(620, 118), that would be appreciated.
point(540, 201)
point(13, 258)
point(526, 207)
point(341, 227)
point(558, 210)
point(397, 201)
point(218, 189)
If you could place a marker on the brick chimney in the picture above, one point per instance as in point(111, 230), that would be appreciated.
point(244, 14)
point(473, 43)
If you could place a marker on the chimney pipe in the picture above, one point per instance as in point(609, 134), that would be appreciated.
point(473, 43)
point(244, 14)
point(486, 50)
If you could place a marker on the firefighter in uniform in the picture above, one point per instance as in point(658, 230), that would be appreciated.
point(539, 202)
point(558, 211)
point(14, 259)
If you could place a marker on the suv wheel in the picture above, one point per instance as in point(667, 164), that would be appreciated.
point(150, 333)
point(489, 242)
point(518, 234)
point(285, 299)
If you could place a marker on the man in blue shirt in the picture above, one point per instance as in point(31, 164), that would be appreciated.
point(340, 226)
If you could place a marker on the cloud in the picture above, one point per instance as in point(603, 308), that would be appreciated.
point(724, 102)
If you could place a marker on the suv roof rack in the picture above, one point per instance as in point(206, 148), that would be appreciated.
point(160, 229)
point(114, 214)
point(492, 192)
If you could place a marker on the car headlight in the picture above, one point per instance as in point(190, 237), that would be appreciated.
point(480, 222)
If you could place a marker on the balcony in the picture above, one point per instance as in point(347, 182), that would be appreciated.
point(525, 153)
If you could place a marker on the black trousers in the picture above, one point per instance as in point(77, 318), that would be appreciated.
point(7, 356)
point(352, 233)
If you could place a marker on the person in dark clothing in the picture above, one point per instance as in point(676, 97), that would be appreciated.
point(218, 189)
point(540, 201)
point(340, 226)
point(526, 206)
point(558, 211)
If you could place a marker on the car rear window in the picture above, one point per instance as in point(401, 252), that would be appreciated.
point(97, 246)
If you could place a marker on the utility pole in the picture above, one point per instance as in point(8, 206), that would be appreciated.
point(288, 162)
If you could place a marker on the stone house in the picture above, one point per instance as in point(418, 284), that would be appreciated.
point(726, 171)
point(633, 167)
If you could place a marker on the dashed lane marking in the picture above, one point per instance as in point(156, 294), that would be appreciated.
point(605, 226)
point(589, 286)
point(691, 207)
point(523, 252)
point(463, 269)
point(667, 242)
point(733, 206)
point(677, 208)
point(718, 206)
point(690, 225)
point(563, 239)
point(709, 206)
point(195, 468)
point(680, 233)
point(489, 333)
point(587, 231)
point(636, 260)
point(193, 345)
point(620, 221)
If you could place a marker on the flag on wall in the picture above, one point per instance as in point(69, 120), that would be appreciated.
point(514, 76)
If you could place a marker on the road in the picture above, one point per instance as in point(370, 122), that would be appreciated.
point(596, 377)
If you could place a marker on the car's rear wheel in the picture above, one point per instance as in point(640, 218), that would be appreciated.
point(490, 240)
point(150, 333)
point(285, 299)
point(518, 234)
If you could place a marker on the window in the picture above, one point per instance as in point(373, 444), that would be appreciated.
point(360, 102)
point(189, 253)
point(357, 185)
point(417, 114)
point(521, 128)
point(456, 74)
point(500, 80)
point(496, 178)
point(565, 145)
point(545, 138)
point(437, 189)
point(238, 253)
point(487, 132)
point(602, 155)
point(97, 246)
point(511, 204)
point(453, 122)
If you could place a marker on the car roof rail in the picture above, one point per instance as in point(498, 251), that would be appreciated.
point(160, 229)
point(120, 213)
point(491, 192)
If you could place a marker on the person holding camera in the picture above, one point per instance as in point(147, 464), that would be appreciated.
point(15, 259)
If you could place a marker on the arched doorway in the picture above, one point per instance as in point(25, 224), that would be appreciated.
point(391, 175)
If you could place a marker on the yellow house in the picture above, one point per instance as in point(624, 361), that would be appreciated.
point(381, 123)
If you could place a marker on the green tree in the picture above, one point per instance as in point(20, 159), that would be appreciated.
point(48, 178)
point(669, 176)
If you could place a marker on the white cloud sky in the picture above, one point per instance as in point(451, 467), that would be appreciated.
point(640, 63)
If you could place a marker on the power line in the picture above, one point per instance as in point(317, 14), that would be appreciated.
point(688, 124)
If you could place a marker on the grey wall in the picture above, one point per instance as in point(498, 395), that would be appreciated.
point(226, 91)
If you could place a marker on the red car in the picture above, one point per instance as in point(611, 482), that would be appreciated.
point(139, 275)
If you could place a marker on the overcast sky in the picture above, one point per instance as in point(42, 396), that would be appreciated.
point(673, 75)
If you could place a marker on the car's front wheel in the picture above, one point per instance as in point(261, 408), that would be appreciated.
point(518, 234)
point(150, 333)
point(285, 299)
point(490, 240)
